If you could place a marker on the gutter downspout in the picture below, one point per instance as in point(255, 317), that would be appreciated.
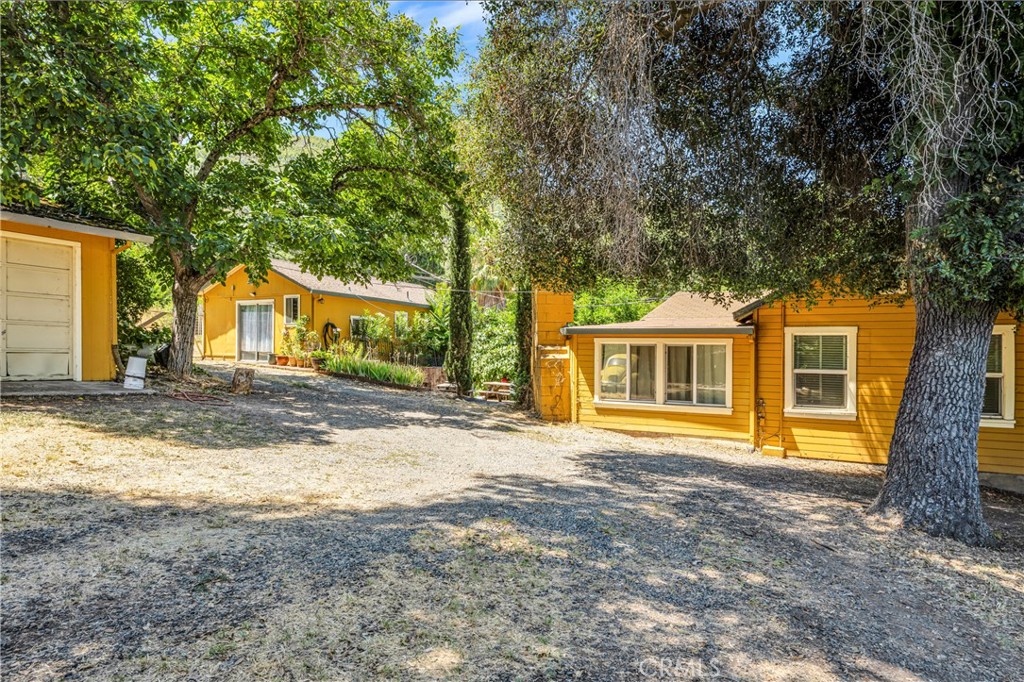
point(782, 378)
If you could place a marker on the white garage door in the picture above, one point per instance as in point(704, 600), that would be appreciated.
point(37, 304)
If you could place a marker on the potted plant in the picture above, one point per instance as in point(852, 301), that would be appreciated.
point(317, 358)
point(288, 346)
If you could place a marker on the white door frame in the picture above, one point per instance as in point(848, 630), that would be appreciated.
point(238, 332)
point(76, 302)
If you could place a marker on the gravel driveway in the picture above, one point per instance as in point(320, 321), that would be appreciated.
point(326, 530)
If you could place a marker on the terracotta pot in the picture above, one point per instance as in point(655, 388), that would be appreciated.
point(282, 360)
point(293, 362)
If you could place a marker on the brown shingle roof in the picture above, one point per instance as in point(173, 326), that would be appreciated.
point(389, 292)
point(683, 312)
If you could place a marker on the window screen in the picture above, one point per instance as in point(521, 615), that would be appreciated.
point(820, 370)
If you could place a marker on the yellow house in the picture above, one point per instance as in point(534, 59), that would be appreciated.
point(58, 294)
point(822, 382)
point(245, 322)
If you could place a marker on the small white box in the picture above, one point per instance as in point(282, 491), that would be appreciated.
point(134, 383)
point(135, 374)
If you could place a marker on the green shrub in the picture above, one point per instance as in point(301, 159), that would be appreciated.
point(494, 344)
point(357, 364)
point(141, 286)
point(612, 302)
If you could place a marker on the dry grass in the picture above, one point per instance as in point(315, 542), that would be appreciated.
point(333, 531)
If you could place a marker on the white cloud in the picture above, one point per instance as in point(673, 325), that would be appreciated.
point(460, 14)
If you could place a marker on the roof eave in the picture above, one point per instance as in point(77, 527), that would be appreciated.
point(747, 310)
point(655, 331)
point(377, 299)
point(81, 228)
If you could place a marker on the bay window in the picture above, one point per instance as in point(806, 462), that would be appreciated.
point(998, 403)
point(665, 374)
point(821, 372)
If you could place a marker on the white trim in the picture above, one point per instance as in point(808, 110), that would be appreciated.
point(790, 408)
point(76, 296)
point(659, 403)
point(660, 407)
point(213, 285)
point(298, 309)
point(805, 413)
point(1007, 421)
point(238, 337)
point(81, 228)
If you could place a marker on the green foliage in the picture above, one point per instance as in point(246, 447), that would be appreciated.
point(140, 288)
point(524, 345)
point(611, 301)
point(458, 361)
point(354, 362)
point(494, 344)
point(427, 335)
point(786, 160)
point(182, 118)
point(374, 327)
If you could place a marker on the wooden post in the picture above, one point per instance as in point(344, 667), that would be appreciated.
point(241, 382)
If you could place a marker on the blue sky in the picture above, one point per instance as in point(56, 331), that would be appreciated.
point(468, 17)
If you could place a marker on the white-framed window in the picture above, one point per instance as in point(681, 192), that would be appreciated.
point(200, 319)
point(688, 375)
point(401, 323)
point(291, 309)
point(821, 372)
point(355, 326)
point(997, 408)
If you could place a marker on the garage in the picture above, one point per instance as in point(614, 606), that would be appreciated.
point(58, 295)
point(38, 296)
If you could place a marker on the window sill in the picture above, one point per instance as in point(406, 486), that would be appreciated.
point(998, 423)
point(655, 407)
point(821, 414)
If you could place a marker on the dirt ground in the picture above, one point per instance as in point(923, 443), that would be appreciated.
point(326, 530)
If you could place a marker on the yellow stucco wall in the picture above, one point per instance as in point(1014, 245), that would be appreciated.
point(734, 426)
point(219, 305)
point(885, 339)
point(98, 294)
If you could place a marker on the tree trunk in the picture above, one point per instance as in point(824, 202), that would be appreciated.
point(931, 480)
point(460, 323)
point(185, 296)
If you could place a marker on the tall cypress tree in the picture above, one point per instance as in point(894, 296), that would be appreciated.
point(457, 362)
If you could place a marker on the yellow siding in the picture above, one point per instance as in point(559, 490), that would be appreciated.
point(735, 426)
point(885, 339)
point(551, 362)
point(99, 296)
point(219, 305)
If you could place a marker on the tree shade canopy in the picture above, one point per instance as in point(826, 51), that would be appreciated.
point(760, 148)
point(177, 117)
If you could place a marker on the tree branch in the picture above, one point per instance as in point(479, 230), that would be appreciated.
point(338, 181)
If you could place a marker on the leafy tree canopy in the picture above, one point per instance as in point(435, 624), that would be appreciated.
point(182, 119)
point(760, 148)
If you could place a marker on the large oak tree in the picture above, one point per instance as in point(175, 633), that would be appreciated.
point(784, 149)
point(183, 118)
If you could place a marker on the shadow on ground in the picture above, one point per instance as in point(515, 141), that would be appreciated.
point(656, 561)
